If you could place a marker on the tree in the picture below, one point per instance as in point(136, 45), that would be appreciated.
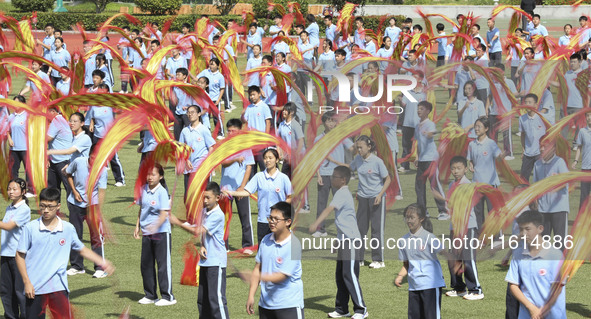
point(101, 5)
point(158, 7)
point(225, 6)
point(33, 5)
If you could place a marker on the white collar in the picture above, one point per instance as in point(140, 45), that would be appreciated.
point(194, 128)
point(287, 240)
point(418, 233)
point(217, 207)
point(59, 227)
point(20, 203)
point(79, 134)
point(271, 176)
point(550, 160)
point(152, 191)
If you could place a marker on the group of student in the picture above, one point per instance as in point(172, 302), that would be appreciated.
point(49, 242)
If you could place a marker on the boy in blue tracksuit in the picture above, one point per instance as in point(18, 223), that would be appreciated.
point(532, 128)
point(347, 272)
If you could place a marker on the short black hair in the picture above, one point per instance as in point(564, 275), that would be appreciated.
point(536, 16)
point(328, 115)
point(343, 171)
point(213, 187)
point(458, 159)
point(533, 96)
point(284, 208)
point(182, 71)
point(426, 104)
point(50, 195)
point(254, 88)
point(575, 56)
point(418, 27)
point(268, 58)
point(476, 25)
point(186, 25)
point(290, 107)
point(340, 52)
point(440, 27)
point(155, 42)
point(234, 123)
point(530, 216)
point(20, 98)
point(99, 73)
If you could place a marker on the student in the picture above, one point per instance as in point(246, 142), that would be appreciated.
point(30, 86)
point(63, 85)
point(124, 46)
point(359, 35)
point(253, 63)
point(17, 140)
point(307, 50)
point(60, 57)
point(565, 39)
point(411, 118)
point(179, 102)
point(471, 289)
point(471, 110)
point(17, 215)
point(79, 203)
point(274, 29)
point(154, 224)
point(291, 132)
point(184, 40)
point(81, 142)
point(89, 64)
point(174, 63)
point(102, 65)
point(392, 31)
point(374, 180)
point(235, 174)
point(252, 38)
point(48, 41)
point(425, 277)
point(42, 258)
point(257, 115)
point(554, 206)
point(59, 137)
point(217, 86)
point(268, 86)
point(135, 57)
point(385, 51)
point(147, 145)
point(280, 46)
point(314, 32)
point(583, 143)
point(493, 38)
point(347, 271)
point(533, 271)
point(203, 82)
point(199, 139)
point(282, 289)
point(532, 128)
point(331, 29)
point(441, 44)
point(574, 101)
point(482, 154)
point(211, 300)
point(427, 154)
point(336, 158)
point(101, 120)
point(535, 28)
point(272, 187)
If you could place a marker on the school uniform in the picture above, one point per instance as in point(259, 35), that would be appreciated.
point(36, 93)
point(473, 111)
point(256, 116)
point(200, 140)
point(48, 40)
point(47, 253)
point(371, 172)
point(547, 103)
point(411, 120)
point(574, 101)
point(425, 277)
point(254, 78)
point(89, 66)
point(584, 142)
point(232, 177)
point(173, 64)
point(291, 133)
point(441, 46)
point(347, 270)
point(211, 299)
point(80, 171)
point(11, 281)
point(148, 145)
point(554, 206)
point(181, 120)
point(467, 254)
point(216, 84)
point(60, 58)
point(63, 87)
point(82, 143)
point(390, 129)
point(462, 76)
point(18, 152)
point(386, 54)
point(274, 29)
point(271, 190)
point(533, 127)
point(483, 155)
point(155, 246)
point(393, 33)
point(495, 51)
point(314, 34)
point(103, 120)
point(535, 276)
point(59, 130)
point(284, 300)
point(427, 151)
point(330, 32)
point(252, 39)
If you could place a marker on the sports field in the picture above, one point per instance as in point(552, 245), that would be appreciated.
point(109, 297)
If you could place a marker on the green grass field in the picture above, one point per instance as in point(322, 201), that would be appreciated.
point(105, 298)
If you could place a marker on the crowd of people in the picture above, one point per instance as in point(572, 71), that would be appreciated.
point(35, 254)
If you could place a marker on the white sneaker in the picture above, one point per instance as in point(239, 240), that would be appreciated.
point(362, 264)
point(99, 274)
point(74, 271)
point(122, 92)
point(319, 234)
point(453, 293)
point(399, 197)
point(401, 169)
point(146, 301)
point(247, 252)
point(377, 265)
point(518, 133)
point(164, 302)
point(360, 315)
point(473, 296)
point(443, 216)
point(509, 158)
point(336, 314)
point(119, 184)
point(29, 195)
point(221, 137)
